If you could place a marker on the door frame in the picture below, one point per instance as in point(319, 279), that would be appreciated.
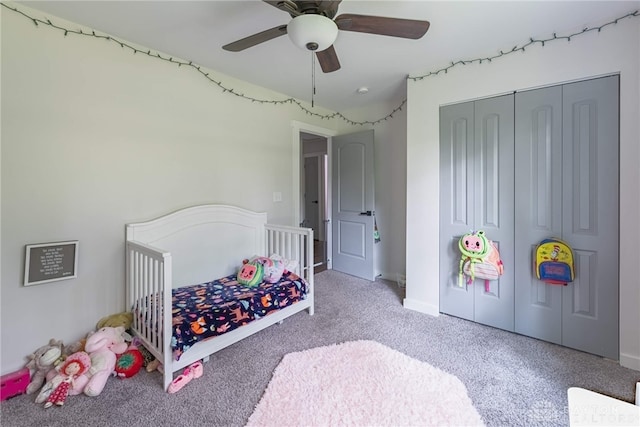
point(297, 165)
point(321, 160)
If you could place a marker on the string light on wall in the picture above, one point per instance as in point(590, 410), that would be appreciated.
point(521, 48)
point(336, 115)
point(197, 68)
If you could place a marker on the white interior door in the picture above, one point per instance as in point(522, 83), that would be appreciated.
point(353, 204)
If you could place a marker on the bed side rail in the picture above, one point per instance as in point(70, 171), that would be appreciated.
point(148, 271)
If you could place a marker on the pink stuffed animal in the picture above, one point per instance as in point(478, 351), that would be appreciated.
point(103, 346)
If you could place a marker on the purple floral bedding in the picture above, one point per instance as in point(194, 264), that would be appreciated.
point(213, 308)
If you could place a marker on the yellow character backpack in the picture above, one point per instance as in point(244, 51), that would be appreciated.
point(554, 262)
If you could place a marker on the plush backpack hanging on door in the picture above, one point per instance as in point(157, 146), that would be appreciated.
point(554, 262)
point(480, 259)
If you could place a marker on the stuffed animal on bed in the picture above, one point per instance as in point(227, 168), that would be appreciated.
point(103, 346)
point(251, 273)
point(272, 268)
point(41, 362)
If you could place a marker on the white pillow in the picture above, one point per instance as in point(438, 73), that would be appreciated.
point(289, 264)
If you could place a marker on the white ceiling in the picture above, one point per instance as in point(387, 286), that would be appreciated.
point(197, 30)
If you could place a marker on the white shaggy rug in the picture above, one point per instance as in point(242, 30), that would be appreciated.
point(362, 383)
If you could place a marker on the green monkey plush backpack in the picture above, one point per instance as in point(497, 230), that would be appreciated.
point(480, 259)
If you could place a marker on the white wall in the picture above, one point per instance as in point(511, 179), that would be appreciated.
point(94, 137)
point(614, 50)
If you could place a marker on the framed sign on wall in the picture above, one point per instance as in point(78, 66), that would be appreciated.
point(50, 262)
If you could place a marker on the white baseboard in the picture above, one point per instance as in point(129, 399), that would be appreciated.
point(429, 309)
point(630, 361)
point(387, 276)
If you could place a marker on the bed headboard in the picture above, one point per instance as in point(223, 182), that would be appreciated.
point(206, 242)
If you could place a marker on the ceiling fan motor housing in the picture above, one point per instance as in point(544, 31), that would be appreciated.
point(312, 32)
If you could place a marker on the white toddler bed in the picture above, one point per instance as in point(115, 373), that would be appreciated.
point(197, 245)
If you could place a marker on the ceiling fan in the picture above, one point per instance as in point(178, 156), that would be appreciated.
point(314, 28)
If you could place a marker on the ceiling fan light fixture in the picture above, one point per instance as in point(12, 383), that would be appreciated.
point(312, 32)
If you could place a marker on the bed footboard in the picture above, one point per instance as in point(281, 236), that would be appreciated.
point(294, 243)
point(148, 271)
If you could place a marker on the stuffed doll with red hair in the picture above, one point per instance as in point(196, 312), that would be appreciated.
point(70, 379)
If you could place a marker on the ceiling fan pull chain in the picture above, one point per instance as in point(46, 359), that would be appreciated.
point(313, 77)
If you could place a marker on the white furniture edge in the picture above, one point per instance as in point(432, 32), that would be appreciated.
point(588, 408)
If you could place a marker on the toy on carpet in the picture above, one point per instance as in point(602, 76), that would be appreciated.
point(103, 347)
point(148, 357)
point(74, 347)
point(71, 379)
point(153, 365)
point(129, 363)
point(195, 370)
point(124, 319)
point(14, 384)
point(67, 350)
point(149, 361)
point(42, 361)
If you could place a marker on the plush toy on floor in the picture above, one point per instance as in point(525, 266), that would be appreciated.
point(71, 379)
point(124, 319)
point(129, 363)
point(103, 346)
point(147, 357)
point(41, 362)
point(74, 347)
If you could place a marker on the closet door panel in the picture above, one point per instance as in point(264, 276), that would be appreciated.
point(456, 204)
point(538, 208)
point(493, 204)
point(590, 214)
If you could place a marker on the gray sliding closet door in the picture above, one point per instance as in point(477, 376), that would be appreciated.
point(538, 183)
point(476, 193)
point(590, 215)
point(456, 204)
point(566, 158)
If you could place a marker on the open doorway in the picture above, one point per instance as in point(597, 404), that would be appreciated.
point(314, 180)
point(345, 205)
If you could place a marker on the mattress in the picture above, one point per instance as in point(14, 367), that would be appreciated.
point(210, 309)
